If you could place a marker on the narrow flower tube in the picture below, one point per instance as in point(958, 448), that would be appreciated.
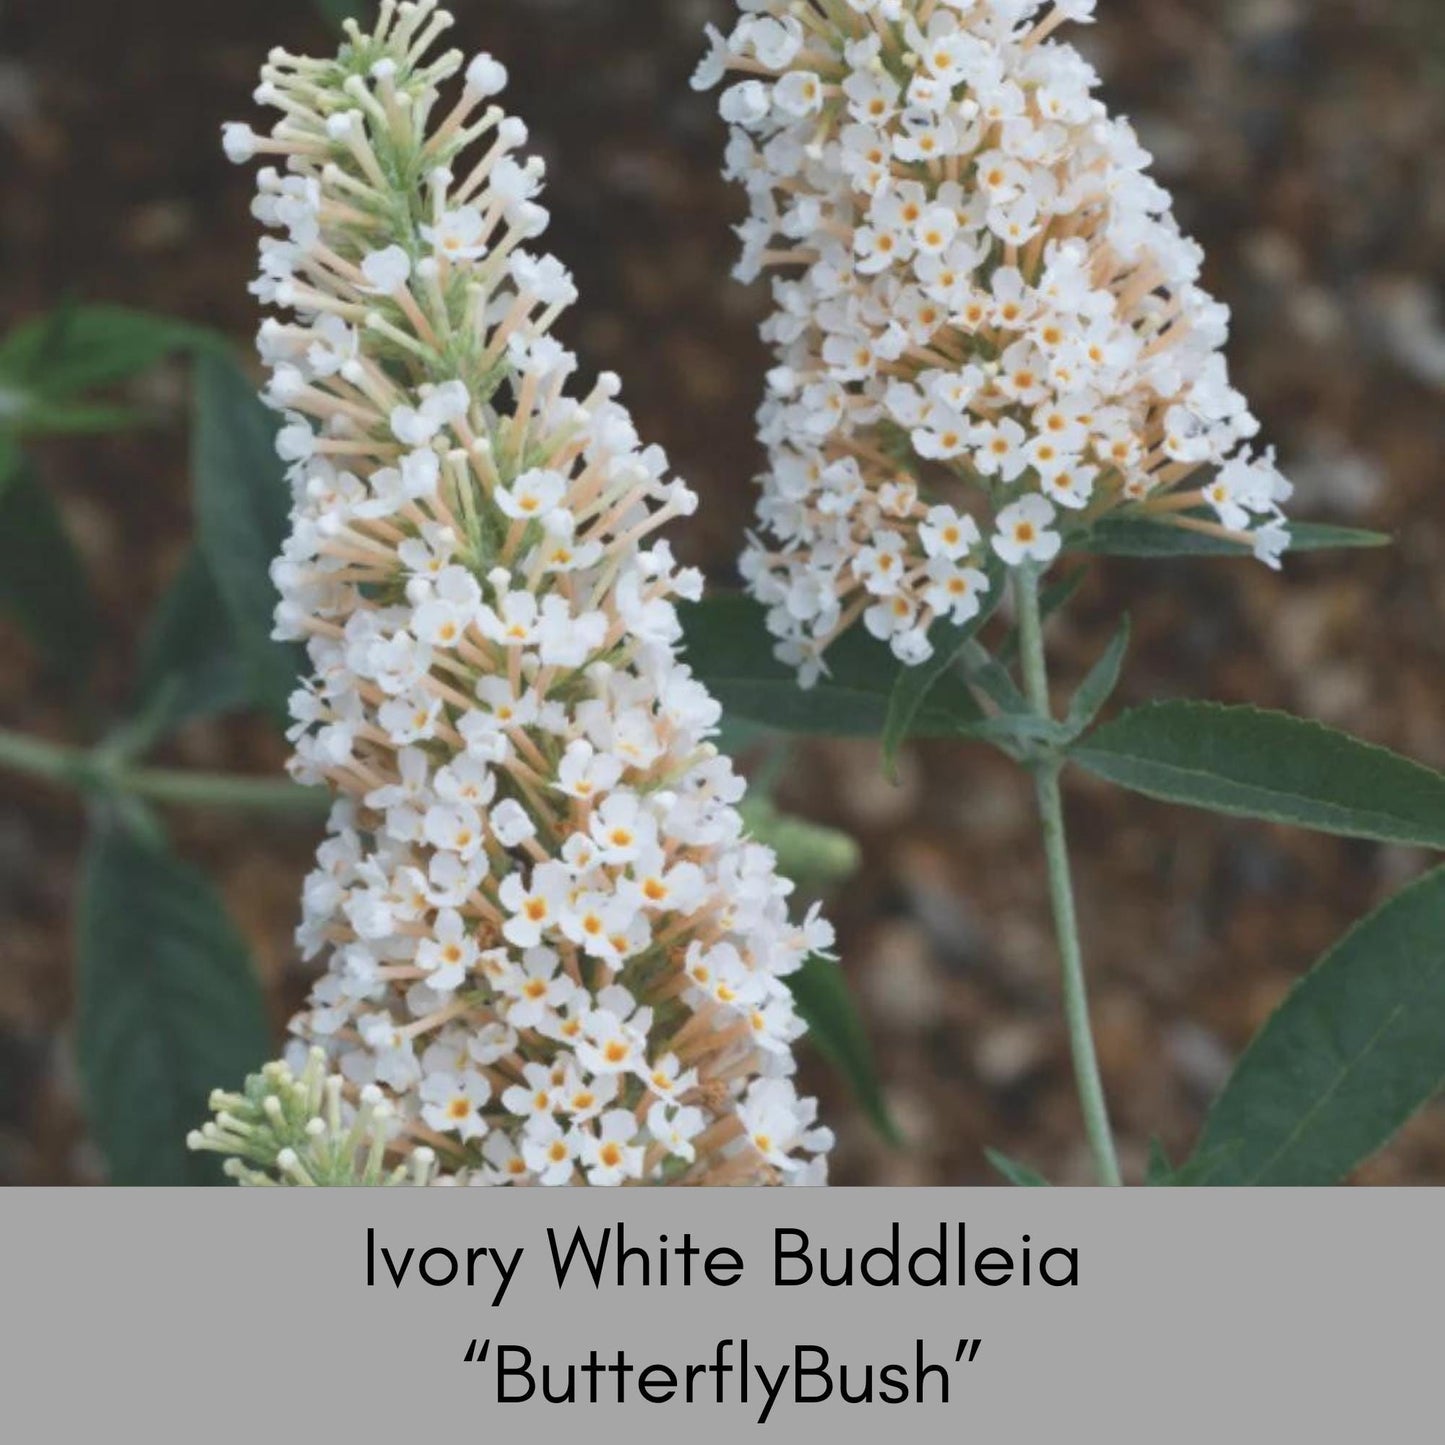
point(552, 954)
point(988, 329)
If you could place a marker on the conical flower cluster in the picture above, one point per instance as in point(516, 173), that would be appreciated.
point(988, 328)
point(548, 943)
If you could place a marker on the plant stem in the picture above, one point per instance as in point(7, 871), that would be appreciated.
point(1061, 889)
point(91, 772)
point(224, 790)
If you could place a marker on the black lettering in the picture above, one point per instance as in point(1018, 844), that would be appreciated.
point(893, 1385)
point(506, 1271)
point(447, 1255)
point(523, 1371)
point(924, 1371)
point(820, 1370)
point(1072, 1277)
point(722, 1261)
point(561, 1266)
point(800, 1253)
point(396, 1278)
point(888, 1252)
point(983, 1266)
point(660, 1393)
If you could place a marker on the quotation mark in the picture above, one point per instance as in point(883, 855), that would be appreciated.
point(473, 1353)
point(970, 1345)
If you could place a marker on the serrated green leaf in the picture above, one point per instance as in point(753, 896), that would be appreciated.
point(1257, 764)
point(189, 663)
point(43, 585)
point(1147, 537)
point(729, 649)
point(826, 1005)
point(242, 506)
point(1354, 1050)
point(1098, 686)
point(1015, 1173)
point(79, 348)
point(914, 684)
point(169, 1007)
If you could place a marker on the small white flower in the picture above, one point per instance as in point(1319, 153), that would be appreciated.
point(486, 76)
point(535, 906)
point(1023, 532)
point(240, 142)
point(610, 1155)
point(549, 1152)
point(448, 955)
point(458, 235)
point(387, 270)
point(799, 93)
point(675, 1127)
point(452, 1103)
point(947, 534)
point(533, 497)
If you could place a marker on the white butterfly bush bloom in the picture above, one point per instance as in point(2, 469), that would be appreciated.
point(987, 324)
point(551, 951)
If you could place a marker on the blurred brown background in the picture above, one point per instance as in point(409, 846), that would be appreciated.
point(1303, 139)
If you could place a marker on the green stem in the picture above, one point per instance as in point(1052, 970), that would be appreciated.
point(91, 772)
point(1061, 889)
point(224, 790)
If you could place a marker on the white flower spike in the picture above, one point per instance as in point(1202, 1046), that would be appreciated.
point(552, 955)
point(984, 303)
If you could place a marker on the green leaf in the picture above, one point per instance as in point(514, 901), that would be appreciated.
point(43, 585)
point(825, 1004)
point(243, 504)
point(1014, 728)
point(729, 649)
point(1354, 1050)
point(991, 677)
point(1019, 1174)
point(10, 463)
point(1256, 764)
point(169, 1007)
point(1160, 1170)
point(1147, 537)
point(1162, 1174)
point(80, 348)
point(189, 665)
point(1199, 1169)
point(1097, 688)
point(914, 684)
